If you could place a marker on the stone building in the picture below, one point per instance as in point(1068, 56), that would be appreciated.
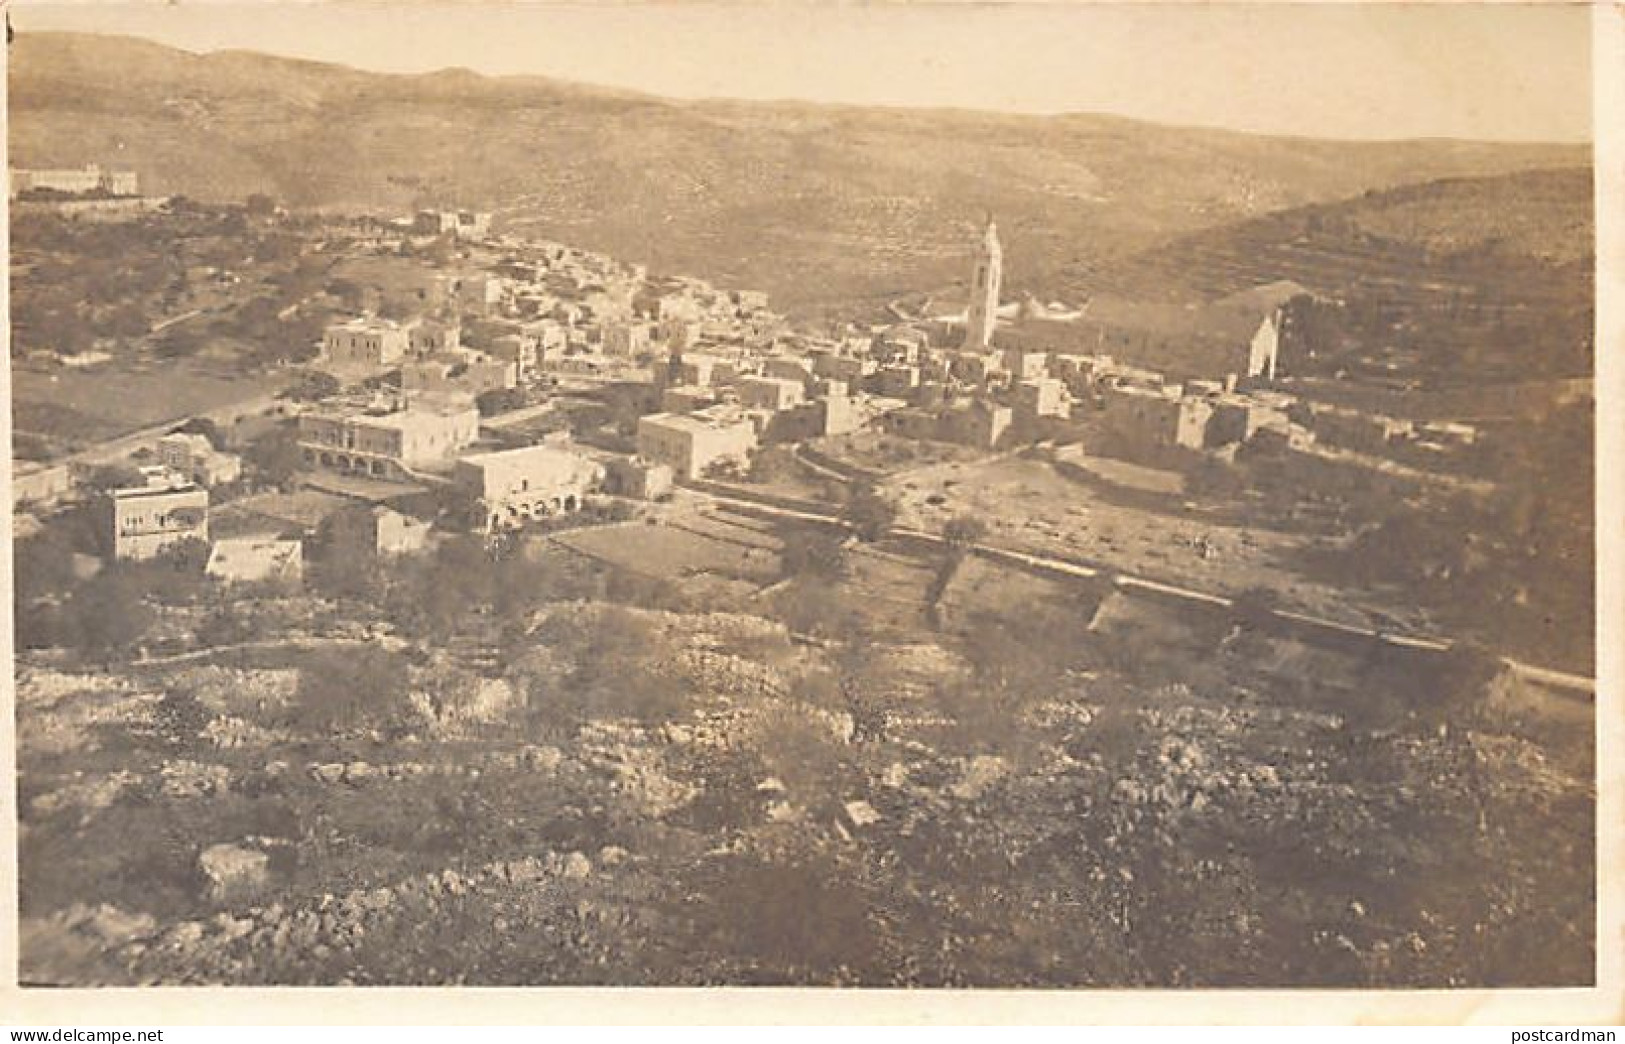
point(1149, 418)
point(770, 393)
point(39, 484)
point(464, 224)
point(508, 487)
point(975, 423)
point(691, 443)
point(147, 520)
point(473, 373)
point(388, 443)
point(248, 560)
point(365, 342)
point(624, 338)
point(195, 457)
point(1041, 397)
point(90, 178)
point(431, 337)
point(637, 478)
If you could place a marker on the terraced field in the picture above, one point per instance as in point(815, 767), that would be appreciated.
point(1414, 246)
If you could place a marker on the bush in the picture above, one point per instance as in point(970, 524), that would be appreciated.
point(964, 531)
point(813, 553)
point(608, 664)
point(312, 386)
point(344, 690)
point(499, 400)
point(108, 615)
point(276, 458)
point(870, 514)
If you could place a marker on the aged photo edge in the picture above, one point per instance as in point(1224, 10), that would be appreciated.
point(1602, 1003)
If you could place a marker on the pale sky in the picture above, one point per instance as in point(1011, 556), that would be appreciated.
point(1509, 72)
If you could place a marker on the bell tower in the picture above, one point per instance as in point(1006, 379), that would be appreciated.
point(984, 294)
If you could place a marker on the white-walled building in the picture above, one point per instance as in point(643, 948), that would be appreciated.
point(691, 443)
point(249, 560)
point(147, 520)
point(195, 457)
point(508, 487)
point(388, 443)
point(365, 341)
point(770, 393)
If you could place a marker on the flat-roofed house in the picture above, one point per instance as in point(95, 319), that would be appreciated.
point(256, 560)
point(38, 484)
point(365, 342)
point(387, 444)
point(770, 393)
point(624, 338)
point(432, 337)
point(465, 224)
point(195, 457)
point(1147, 418)
point(692, 443)
point(147, 520)
point(508, 487)
point(1042, 397)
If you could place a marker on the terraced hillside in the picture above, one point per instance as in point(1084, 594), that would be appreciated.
point(1411, 244)
point(1456, 281)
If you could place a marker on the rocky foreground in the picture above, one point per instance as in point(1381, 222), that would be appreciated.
point(721, 808)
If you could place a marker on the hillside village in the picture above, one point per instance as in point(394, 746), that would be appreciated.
point(594, 577)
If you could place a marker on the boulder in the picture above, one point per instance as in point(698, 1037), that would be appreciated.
point(358, 772)
point(233, 870)
point(983, 771)
point(861, 814)
point(542, 759)
point(327, 773)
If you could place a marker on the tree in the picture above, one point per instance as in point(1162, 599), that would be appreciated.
point(124, 321)
point(343, 690)
point(1255, 608)
point(613, 667)
point(964, 532)
point(499, 400)
point(815, 606)
point(313, 386)
point(350, 293)
point(259, 205)
point(109, 613)
point(437, 596)
point(390, 307)
point(869, 513)
point(813, 553)
point(174, 575)
point(1013, 666)
point(346, 565)
point(205, 427)
point(107, 477)
point(277, 458)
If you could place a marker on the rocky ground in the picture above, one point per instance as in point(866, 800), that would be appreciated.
point(727, 804)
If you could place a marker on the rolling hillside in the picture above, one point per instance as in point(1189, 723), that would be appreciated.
point(820, 205)
point(1454, 283)
point(1527, 236)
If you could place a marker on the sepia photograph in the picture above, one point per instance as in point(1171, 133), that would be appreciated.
point(946, 496)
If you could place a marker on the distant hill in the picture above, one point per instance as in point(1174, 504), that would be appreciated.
point(819, 205)
point(1526, 235)
point(1453, 282)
